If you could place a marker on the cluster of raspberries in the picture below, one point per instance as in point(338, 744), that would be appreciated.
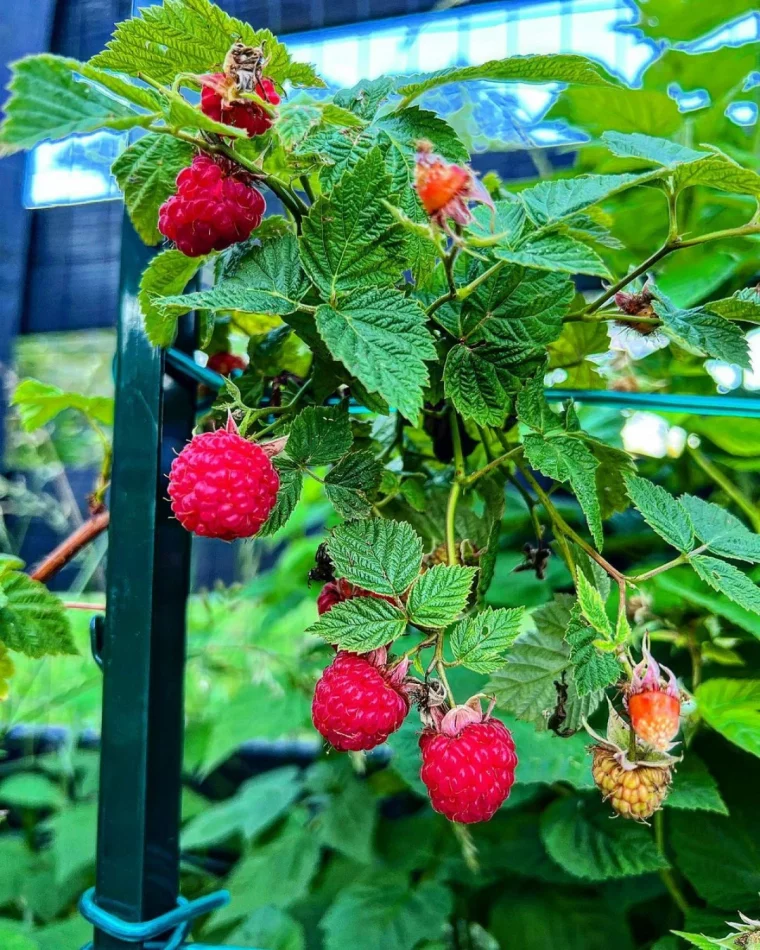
point(215, 204)
point(468, 759)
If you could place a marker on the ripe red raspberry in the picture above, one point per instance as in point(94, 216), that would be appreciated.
point(218, 102)
point(212, 209)
point(335, 592)
point(444, 189)
point(358, 701)
point(653, 705)
point(224, 363)
point(222, 486)
point(468, 764)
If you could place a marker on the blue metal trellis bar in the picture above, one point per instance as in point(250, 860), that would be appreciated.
point(746, 406)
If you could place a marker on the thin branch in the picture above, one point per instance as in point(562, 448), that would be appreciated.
point(672, 244)
point(722, 481)
point(68, 549)
point(495, 463)
point(561, 525)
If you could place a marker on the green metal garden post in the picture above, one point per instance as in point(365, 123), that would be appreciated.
point(144, 638)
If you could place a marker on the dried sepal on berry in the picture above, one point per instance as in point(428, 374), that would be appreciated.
point(653, 701)
point(632, 776)
point(222, 94)
point(637, 339)
point(468, 762)
point(748, 932)
point(360, 699)
point(445, 188)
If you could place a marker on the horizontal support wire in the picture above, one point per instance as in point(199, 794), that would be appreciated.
point(178, 920)
point(743, 406)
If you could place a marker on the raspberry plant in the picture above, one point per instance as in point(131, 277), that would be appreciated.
point(402, 315)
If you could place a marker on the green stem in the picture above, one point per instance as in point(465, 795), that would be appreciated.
point(673, 244)
point(495, 463)
point(440, 666)
point(676, 562)
point(632, 275)
point(291, 201)
point(455, 491)
point(562, 526)
point(722, 481)
point(666, 875)
point(306, 185)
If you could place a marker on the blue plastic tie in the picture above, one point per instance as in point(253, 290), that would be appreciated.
point(179, 920)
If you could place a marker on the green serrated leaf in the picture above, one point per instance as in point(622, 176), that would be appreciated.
point(579, 836)
point(378, 555)
point(506, 220)
point(478, 386)
point(593, 668)
point(319, 435)
point(533, 408)
point(365, 98)
point(729, 580)
point(347, 823)
point(387, 914)
point(650, 148)
point(292, 859)
point(551, 202)
point(661, 512)
point(743, 305)
point(592, 606)
point(694, 789)
point(699, 940)
point(440, 595)
point(556, 252)
point(724, 534)
point(167, 274)
point(338, 150)
point(720, 172)
point(730, 843)
point(192, 36)
point(596, 110)
point(360, 624)
point(288, 495)
point(614, 466)
point(480, 642)
point(38, 403)
point(519, 309)
point(538, 660)
point(270, 927)
point(380, 336)
point(257, 279)
point(704, 333)
point(732, 708)
point(565, 458)
point(32, 620)
point(47, 103)
point(349, 483)
point(350, 239)
point(552, 67)
point(146, 173)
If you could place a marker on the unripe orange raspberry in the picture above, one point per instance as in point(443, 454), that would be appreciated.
point(637, 791)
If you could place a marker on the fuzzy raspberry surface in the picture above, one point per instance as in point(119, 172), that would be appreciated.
point(655, 717)
point(243, 114)
point(470, 775)
point(222, 486)
point(211, 209)
point(355, 706)
point(224, 363)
